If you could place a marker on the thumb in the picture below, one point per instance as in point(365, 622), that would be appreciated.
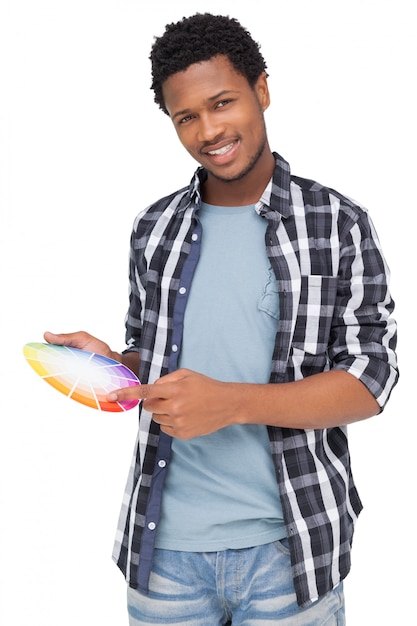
point(60, 340)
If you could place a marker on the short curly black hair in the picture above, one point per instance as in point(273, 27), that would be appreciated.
point(199, 38)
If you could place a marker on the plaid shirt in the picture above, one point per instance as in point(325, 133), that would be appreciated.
point(335, 311)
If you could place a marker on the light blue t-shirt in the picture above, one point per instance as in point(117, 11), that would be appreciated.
point(221, 489)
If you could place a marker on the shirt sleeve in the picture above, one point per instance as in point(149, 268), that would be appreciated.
point(133, 320)
point(364, 333)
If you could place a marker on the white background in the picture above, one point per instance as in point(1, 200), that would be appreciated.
point(82, 147)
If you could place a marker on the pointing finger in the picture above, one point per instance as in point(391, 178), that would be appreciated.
point(139, 391)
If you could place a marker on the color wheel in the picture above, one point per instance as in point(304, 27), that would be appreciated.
point(83, 376)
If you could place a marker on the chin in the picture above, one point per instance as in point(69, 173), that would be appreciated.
point(231, 177)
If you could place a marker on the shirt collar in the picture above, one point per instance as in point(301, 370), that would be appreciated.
point(276, 196)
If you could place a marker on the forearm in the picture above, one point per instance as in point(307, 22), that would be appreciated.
point(187, 404)
point(324, 400)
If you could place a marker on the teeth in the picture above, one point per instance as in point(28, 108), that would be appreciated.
point(221, 150)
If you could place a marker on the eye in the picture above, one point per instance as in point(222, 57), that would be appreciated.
point(222, 103)
point(185, 119)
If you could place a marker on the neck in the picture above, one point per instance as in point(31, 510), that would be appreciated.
point(241, 192)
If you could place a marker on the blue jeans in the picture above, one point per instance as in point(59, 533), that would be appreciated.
point(249, 587)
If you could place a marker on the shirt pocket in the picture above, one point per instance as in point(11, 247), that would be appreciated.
point(269, 300)
point(315, 313)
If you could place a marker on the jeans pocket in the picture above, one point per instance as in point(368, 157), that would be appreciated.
point(283, 546)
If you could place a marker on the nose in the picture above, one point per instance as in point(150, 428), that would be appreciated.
point(209, 128)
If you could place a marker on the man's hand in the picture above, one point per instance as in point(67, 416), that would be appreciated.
point(82, 341)
point(185, 404)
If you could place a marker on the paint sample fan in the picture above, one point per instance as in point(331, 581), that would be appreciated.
point(83, 376)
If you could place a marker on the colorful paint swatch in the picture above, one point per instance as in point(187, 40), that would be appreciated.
point(83, 376)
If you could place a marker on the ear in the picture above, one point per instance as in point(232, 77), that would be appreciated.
point(262, 91)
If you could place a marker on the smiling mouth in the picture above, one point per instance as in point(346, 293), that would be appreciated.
point(221, 151)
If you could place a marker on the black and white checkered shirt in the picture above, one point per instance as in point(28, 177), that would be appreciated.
point(335, 309)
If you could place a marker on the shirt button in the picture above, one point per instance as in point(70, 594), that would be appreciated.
point(182, 290)
point(194, 237)
point(162, 463)
point(151, 525)
point(174, 348)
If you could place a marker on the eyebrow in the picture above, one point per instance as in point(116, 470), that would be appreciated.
point(218, 95)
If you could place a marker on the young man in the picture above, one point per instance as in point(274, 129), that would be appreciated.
point(260, 326)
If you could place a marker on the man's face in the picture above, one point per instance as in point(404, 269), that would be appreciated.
point(219, 117)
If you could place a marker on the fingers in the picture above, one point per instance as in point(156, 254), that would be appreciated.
point(142, 392)
point(165, 388)
point(81, 340)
